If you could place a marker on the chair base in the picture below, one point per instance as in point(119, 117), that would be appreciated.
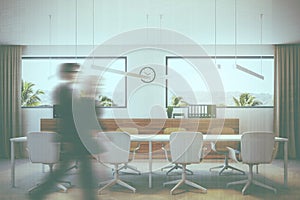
point(176, 166)
point(183, 180)
point(116, 180)
point(224, 167)
point(250, 181)
point(180, 182)
point(60, 186)
point(172, 166)
point(129, 167)
point(75, 166)
point(113, 182)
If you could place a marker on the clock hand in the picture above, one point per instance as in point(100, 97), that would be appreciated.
point(115, 71)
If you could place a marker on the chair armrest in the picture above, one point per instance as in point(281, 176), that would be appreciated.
point(137, 148)
point(232, 154)
point(165, 151)
point(134, 151)
point(213, 146)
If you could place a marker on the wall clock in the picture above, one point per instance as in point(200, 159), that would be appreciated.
point(148, 74)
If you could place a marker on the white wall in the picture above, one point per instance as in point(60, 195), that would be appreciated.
point(252, 119)
point(148, 100)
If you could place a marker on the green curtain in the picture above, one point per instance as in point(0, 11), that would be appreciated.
point(10, 93)
point(287, 97)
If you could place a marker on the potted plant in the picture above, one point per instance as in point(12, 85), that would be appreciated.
point(170, 111)
point(246, 99)
point(105, 101)
point(176, 102)
point(29, 96)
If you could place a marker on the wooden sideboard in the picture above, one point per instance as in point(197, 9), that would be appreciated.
point(154, 126)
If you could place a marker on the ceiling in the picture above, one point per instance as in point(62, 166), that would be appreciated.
point(87, 22)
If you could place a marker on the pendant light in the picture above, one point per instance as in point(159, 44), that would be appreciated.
point(215, 47)
point(76, 42)
point(93, 51)
point(240, 67)
point(261, 44)
point(50, 49)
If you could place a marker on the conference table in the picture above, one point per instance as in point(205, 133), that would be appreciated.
point(164, 138)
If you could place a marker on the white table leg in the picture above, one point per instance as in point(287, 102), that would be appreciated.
point(12, 161)
point(150, 164)
point(285, 164)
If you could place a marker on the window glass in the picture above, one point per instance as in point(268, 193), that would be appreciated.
point(184, 77)
point(42, 72)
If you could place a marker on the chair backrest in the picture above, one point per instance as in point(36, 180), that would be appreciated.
point(43, 147)
point(117, 146)
point(168, 131)
point(222, 146)
point(186, 147)
point(131, 131)
point(257, 147)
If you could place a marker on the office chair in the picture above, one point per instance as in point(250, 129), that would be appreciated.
point(186, 148)
point(256, 148)
point(166, 148)
point(44, 148)
point(134, 147)
point(117, 145)
point(221, 149)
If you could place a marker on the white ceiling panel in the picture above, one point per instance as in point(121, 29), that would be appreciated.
point(94, 21)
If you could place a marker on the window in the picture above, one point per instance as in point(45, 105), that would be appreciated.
point(42, 72)
point(184, 77)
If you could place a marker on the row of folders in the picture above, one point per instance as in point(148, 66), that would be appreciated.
point(199, 111)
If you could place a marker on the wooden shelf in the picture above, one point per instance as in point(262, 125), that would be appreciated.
point(155, 126)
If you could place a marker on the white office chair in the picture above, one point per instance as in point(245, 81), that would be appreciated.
point(256, 148)
point(186, 148)
point(44, 148)
point(117, 145)
point(221, 148)
point(166, 148)
point(134, 147)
